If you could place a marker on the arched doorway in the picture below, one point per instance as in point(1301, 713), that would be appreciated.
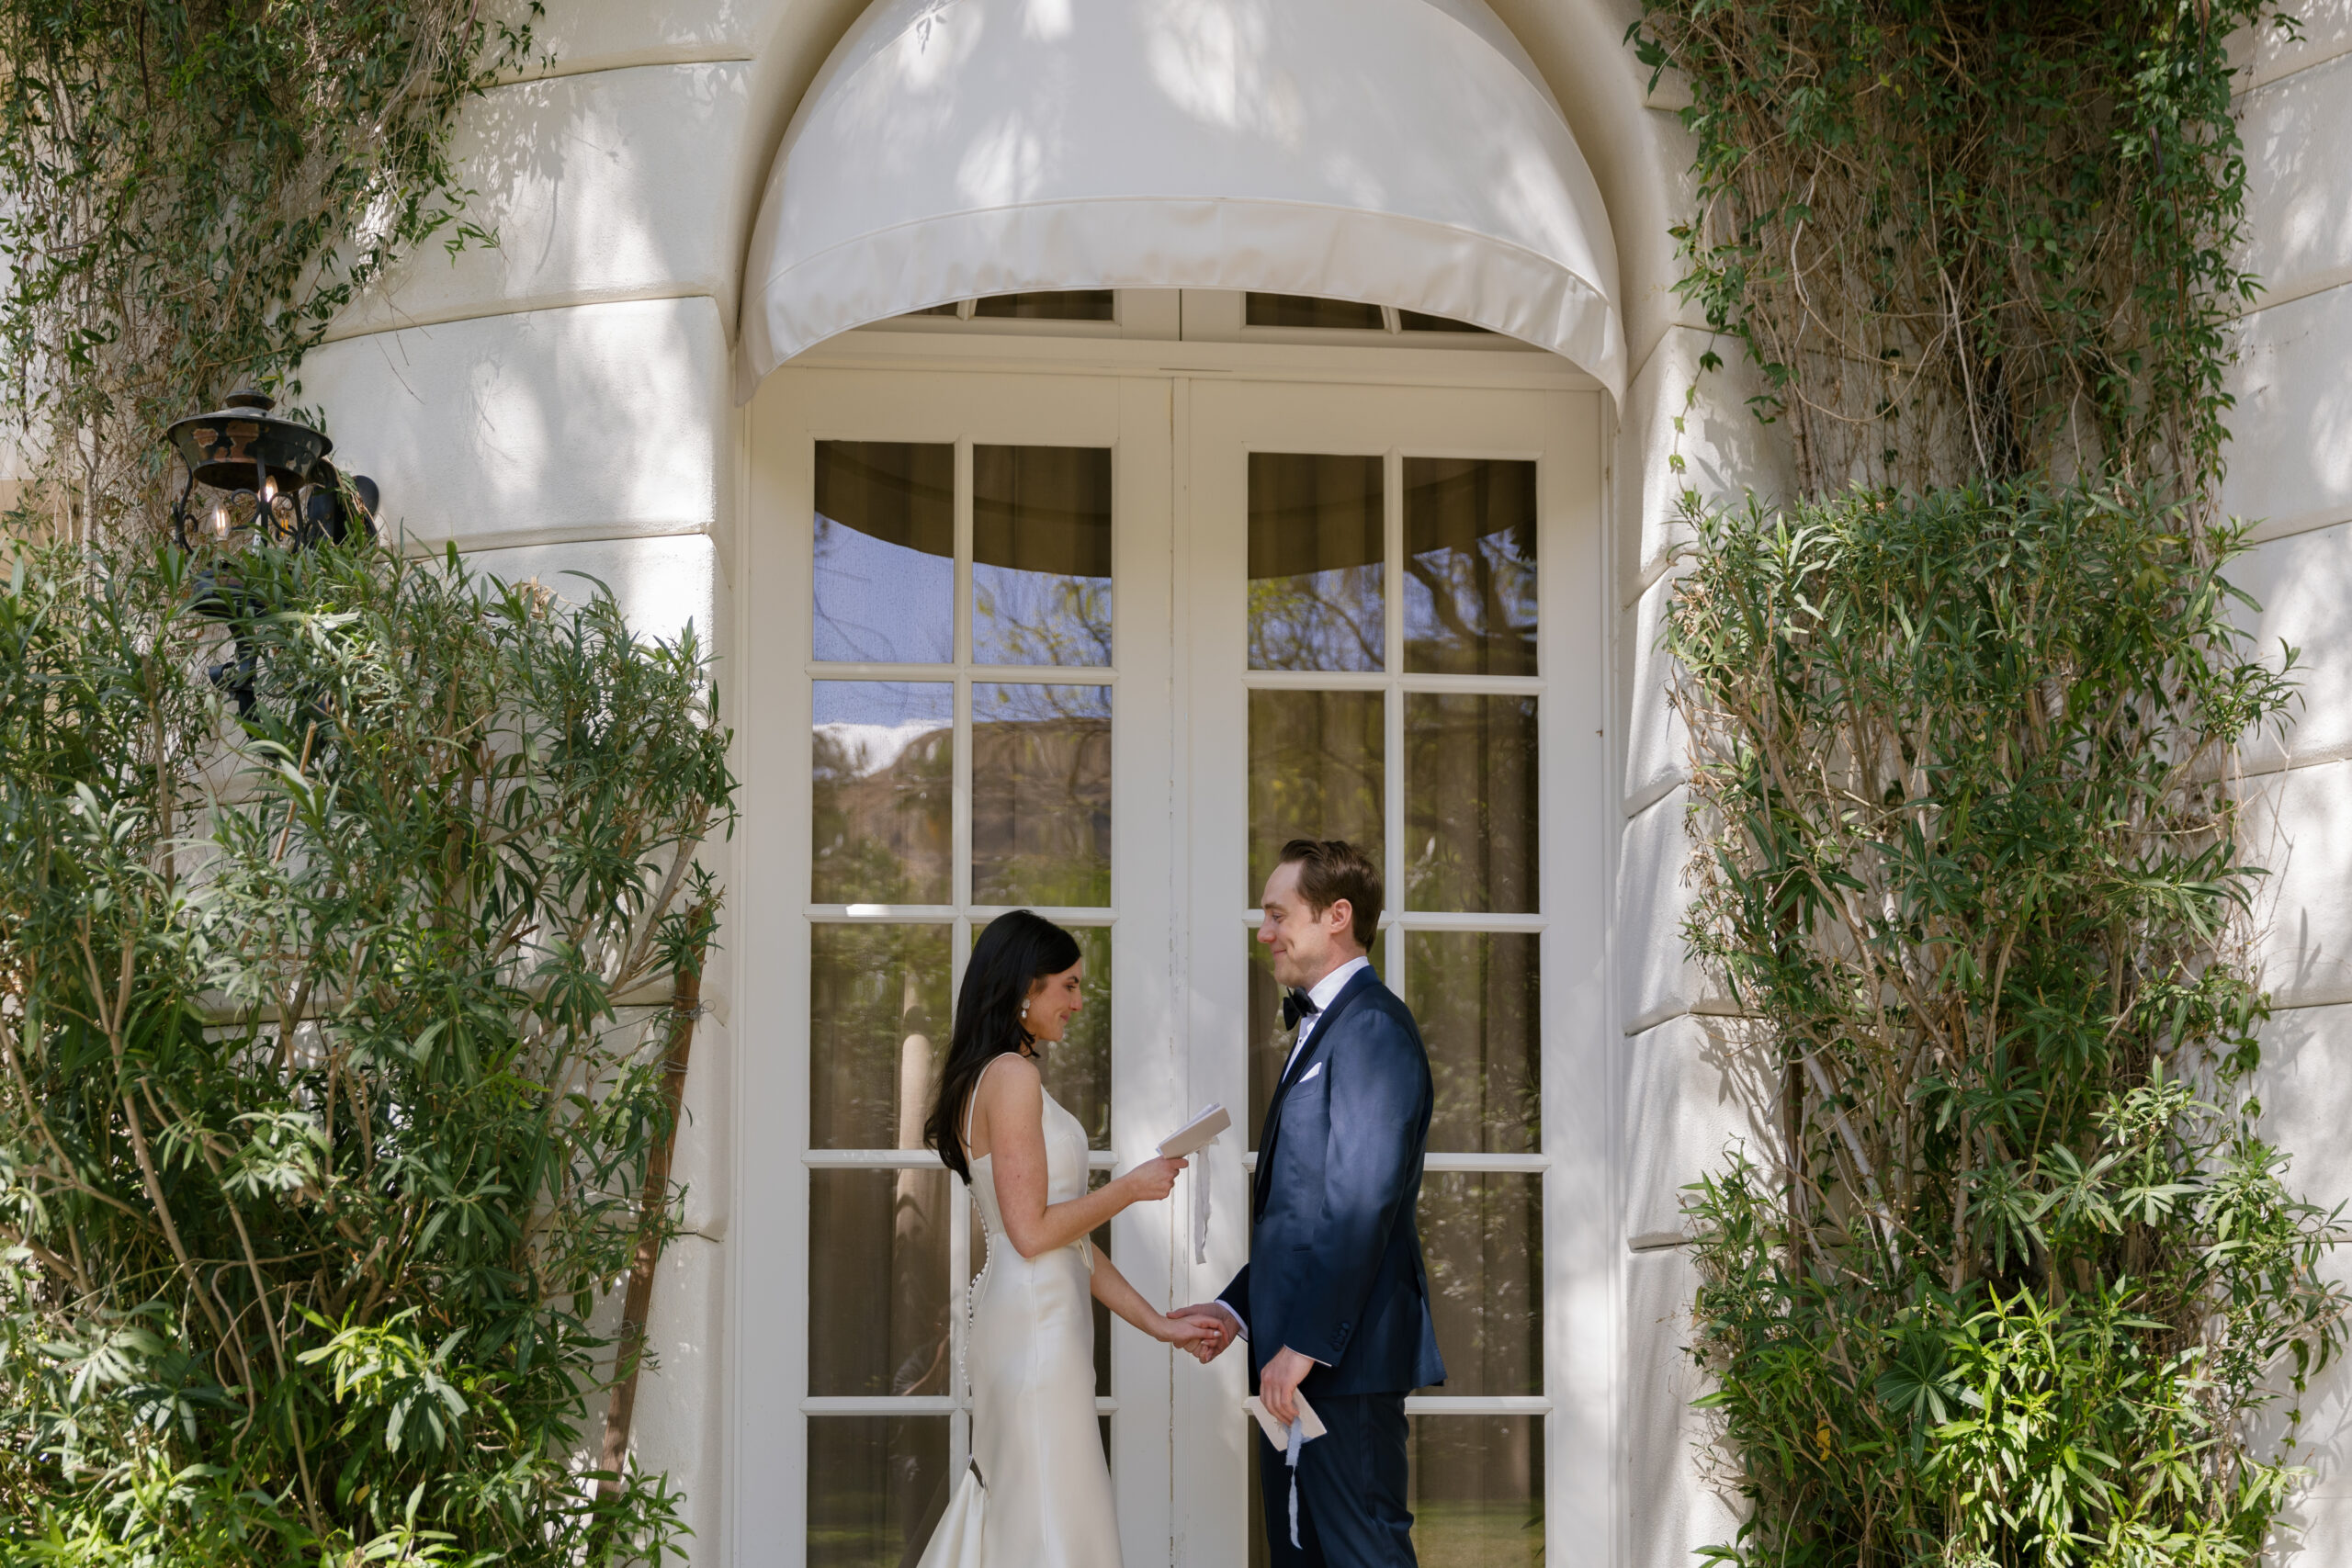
point(1071, 595)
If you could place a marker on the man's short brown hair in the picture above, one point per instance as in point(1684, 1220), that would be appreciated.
point(1333, 869)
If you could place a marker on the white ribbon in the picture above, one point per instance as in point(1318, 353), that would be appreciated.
point(1298, 1441)
point(1200, 1202)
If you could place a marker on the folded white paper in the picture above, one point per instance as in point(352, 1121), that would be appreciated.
point(1197, 1133)
point(1310, 1425)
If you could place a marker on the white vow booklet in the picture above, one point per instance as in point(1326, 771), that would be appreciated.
point(1191, 1139)
point(1196, 1134)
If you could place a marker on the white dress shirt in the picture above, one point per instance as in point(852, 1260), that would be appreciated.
point(1322, 993)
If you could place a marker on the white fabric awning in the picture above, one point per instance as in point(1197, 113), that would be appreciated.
point(1399, 153)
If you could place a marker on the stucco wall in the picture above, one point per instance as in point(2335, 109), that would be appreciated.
point(1679, 1093)
point(561, 403)
point(2291, 473)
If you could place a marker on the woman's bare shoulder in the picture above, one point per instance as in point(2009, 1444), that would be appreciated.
point(1013, 1074)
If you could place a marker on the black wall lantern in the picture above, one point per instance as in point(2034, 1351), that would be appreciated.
point(270, 482)
point(269, 476)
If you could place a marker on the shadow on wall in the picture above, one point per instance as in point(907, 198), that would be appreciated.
point(2307, 1097)
point(599, 186)
point(2297, 184)
point(2303, 586)
point(2290, 463)
point(2323, 29)
point(662, 585)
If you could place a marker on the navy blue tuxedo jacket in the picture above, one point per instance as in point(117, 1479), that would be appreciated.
point(1335, 1267)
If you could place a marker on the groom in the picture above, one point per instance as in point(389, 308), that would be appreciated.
point(1334, 1300)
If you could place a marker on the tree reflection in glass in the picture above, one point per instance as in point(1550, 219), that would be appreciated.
point(877, 1485)
point(1483, 1234)
point(1469, 566)
point(1041, 794)
point(1316, 771)
point(883, 777)
point(1477, 1491)
point(879, 1239)
point(1041, 554)
point(877, 1020)
point(1315, 562)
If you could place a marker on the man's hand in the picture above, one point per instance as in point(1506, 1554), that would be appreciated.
point(1278, 1385)
point(1223, 1326)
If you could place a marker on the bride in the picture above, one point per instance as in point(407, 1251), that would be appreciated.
point(1038, 1494)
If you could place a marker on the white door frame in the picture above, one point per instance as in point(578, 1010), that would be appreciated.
point(1170, 1002)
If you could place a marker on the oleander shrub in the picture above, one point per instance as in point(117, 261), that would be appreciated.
point(328, 1085)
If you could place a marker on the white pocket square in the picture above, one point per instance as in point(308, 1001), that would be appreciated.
point(1310, 1072)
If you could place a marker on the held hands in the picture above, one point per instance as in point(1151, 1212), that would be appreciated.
point(1187, 1334)
point(1151, 1180)
point(1218, 1327)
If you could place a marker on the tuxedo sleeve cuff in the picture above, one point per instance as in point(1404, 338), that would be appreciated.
point(1241, 1328)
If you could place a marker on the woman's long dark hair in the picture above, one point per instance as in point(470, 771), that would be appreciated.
point(1016, 951)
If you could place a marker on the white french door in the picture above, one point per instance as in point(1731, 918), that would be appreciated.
point(1392, 636)
point(956, 665)
point(1092, 644)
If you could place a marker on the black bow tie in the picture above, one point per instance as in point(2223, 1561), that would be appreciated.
point(1295, 1006)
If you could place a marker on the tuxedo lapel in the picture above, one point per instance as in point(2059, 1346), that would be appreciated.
point(1318, 1045)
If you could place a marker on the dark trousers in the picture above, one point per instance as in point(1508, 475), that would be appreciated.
point(1351, 1480)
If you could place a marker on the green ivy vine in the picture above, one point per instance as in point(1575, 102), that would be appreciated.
point(193, 190)
point(1990, 239)
point(2016, 1279)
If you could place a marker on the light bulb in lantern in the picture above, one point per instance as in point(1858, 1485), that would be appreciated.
point(268, 488)
point(220, 520)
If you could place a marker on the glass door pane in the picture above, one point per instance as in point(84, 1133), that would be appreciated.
point(884, 549)
point(1041, 554)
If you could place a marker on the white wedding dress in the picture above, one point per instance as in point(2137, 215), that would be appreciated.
point(1039, 1493)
